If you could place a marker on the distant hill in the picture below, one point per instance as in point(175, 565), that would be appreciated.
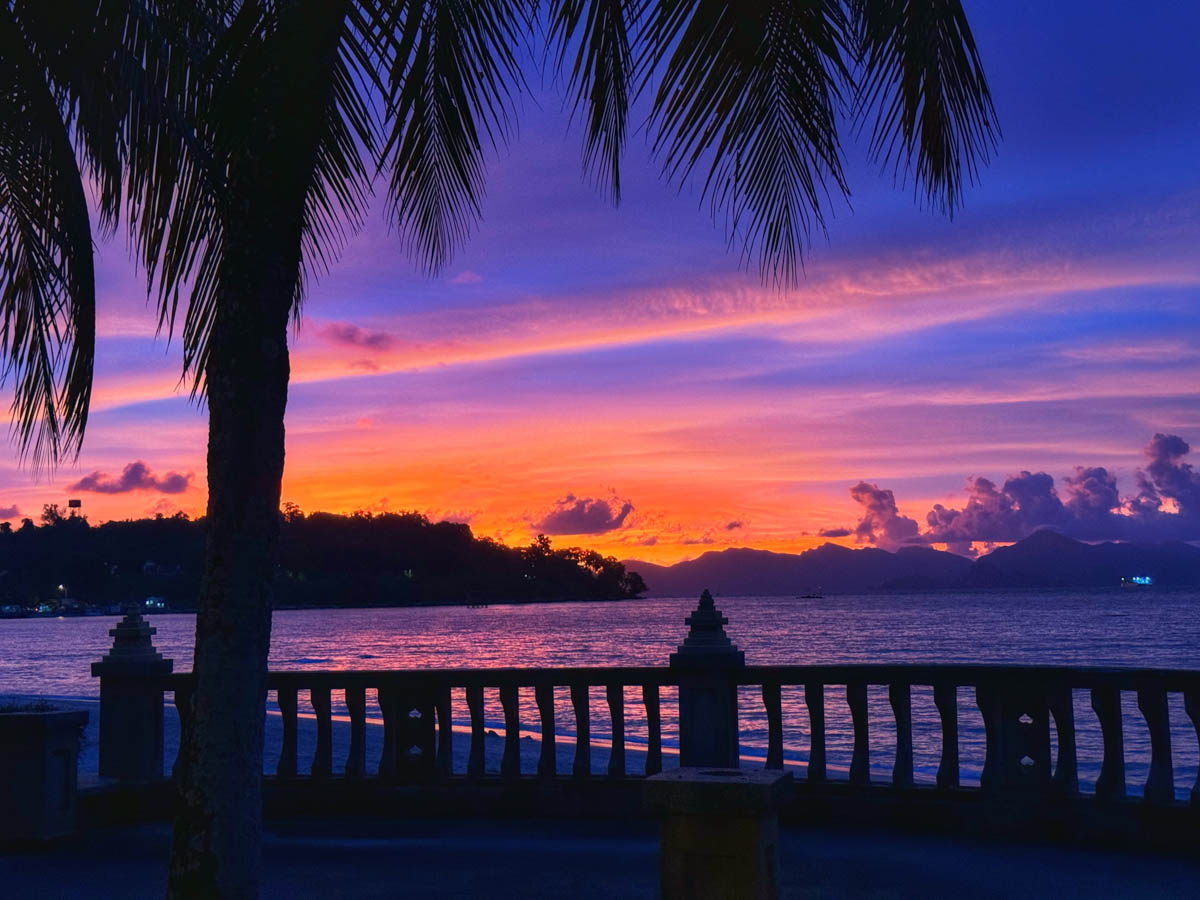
point(1049, 559)
point(1044, 559)
point(829, 567)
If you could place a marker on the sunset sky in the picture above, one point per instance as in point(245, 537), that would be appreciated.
point(613, 378)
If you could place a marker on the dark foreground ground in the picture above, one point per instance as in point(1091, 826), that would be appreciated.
point(579, 860)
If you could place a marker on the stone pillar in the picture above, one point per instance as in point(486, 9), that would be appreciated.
point(131, 702)
point(708, 716)
point(719, 833)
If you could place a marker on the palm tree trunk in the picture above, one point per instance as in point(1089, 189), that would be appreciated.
point(217, 832)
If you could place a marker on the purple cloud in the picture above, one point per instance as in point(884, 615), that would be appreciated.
point(1091, 493)
point(9, 512)
point(835, 532)
point(584, 515)
point(135, 477)
point(734, 525)
point(882, 523)
point(1166, 478)
point(351, 335)
point(1026, 502)
point(1166, 506)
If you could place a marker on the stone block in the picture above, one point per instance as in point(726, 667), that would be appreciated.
point(719, 835)
point(39, 758)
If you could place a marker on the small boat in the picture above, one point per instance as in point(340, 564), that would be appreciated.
point(811, 595)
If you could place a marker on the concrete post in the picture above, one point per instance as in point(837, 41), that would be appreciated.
point(708, 715)
point(719, 833)
point(131, 702)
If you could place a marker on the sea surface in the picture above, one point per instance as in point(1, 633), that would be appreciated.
point(52, 657)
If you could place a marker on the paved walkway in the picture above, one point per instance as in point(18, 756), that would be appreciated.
point(582, 860)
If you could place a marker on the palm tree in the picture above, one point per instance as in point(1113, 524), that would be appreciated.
point(282, 115)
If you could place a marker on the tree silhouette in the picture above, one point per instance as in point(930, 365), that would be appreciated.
point(246, 179)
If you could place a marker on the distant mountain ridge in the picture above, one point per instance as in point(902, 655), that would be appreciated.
point(1044, 559)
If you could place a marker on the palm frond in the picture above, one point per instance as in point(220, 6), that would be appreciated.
point(453, 70)
point(313, 66)
point(750, 92)
point(923, 80)
point(47, 277)
point(602, 76)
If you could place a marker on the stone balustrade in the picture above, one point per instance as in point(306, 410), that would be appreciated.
point(703, 700)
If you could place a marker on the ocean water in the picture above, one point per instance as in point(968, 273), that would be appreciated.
point(1097, 628)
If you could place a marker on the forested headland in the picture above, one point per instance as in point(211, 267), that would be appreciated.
point(325, 560)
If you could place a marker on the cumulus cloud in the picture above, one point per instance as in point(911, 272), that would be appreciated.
point(1024, 503)
point(351, 335)
point(1091, 493)
point(9, 512)
point(1165, 506)
point(882, 523)
point(584, 515)
point(1168, 478)
point(134, 477)
point(735, 524)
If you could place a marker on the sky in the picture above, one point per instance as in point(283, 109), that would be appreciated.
point(613, 378)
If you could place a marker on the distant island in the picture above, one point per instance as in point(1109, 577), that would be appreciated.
point(68, 566)
point(1045, 559)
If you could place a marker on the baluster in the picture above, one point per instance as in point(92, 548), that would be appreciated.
point(987, 699)
point(1160, 785)
point(387, 707)
point(773, 703)
point(322, 763)
point(416, 733)
point(183, 705)
point(548, 761)
point(356, 705)
point(616, 710)
point(1191, 703)
point(945, 698)
point(900, 696)
point(445, 721)
point(856, 697)
point(583, 730)
point(1066, 769)
point(814, 699)
point(653, 729)
point(510, 763)
point(286, 698)
point(475, 705)
point(1106, 701)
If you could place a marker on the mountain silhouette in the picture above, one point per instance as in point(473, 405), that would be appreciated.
point(1049, 559)
point(1044, 559)
point(828, 567)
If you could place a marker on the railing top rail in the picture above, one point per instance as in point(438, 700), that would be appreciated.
point(482, 677)
point(1127, 678)
point(965, 675)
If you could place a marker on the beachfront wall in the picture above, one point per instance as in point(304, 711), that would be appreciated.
point(1028, 712)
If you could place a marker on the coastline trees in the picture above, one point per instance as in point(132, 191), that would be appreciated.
point(245, 183)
